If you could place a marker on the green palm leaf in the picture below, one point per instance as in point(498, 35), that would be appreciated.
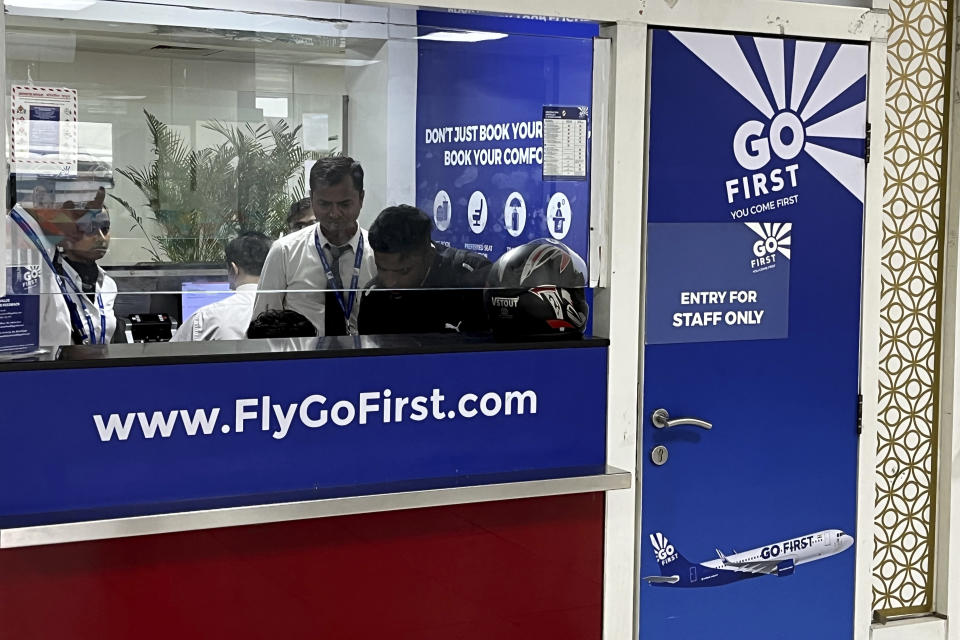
point(200, 198)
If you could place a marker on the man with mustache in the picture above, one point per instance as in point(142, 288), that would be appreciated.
point(318, 270)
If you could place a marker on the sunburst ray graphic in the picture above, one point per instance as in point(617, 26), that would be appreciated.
point(771, 56)
point(723, 55)
point(658, 542)
point(805, 57)
point(848, 66)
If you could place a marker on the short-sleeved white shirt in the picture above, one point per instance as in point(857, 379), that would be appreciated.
point(293, 276)
point(225, 319)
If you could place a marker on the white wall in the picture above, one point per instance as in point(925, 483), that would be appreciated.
point(926, 629)
point(947, 596)
point(381, 128)
point(948, 582)
point(947, 568)
point(180, 92)
point(841, 3)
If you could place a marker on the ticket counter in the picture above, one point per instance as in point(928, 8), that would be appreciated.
point(353, 483)
point(489, 521)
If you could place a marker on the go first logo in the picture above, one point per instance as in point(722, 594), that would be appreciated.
point(774, 238)
point(663, 549)
point(804, 94)
point(754, 146)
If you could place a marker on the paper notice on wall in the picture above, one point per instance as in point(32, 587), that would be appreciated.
point(43, 136)
point(565, 143)
point(316, 131)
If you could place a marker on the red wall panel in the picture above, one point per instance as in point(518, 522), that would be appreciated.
point(517, 569)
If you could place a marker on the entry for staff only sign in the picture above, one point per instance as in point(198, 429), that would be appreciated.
point(709, 282)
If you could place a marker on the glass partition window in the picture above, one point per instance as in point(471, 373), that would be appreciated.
point(185, 175)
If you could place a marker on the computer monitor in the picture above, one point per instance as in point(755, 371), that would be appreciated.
point(195, 295)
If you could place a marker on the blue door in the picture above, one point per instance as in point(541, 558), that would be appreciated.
point(756, 179)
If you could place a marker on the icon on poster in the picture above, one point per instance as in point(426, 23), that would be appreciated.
point(477, 212)
point(559, 216)
point(441, 211)
point(515, 214)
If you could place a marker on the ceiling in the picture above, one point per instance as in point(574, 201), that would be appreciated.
point(24, 33)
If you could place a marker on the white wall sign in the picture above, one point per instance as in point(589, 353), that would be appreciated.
point(43, 136)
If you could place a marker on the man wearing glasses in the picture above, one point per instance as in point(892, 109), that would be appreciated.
point(300, 216)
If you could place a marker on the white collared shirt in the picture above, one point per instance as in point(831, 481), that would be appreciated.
point(106, 293)
point(55, 323)
point(293, 276)
point(226, 319)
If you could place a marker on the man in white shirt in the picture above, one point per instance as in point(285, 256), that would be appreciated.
point(300, 215)
point(228, 319)
point(318, 271)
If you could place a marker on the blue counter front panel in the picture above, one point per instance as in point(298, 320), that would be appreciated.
point(74, 439)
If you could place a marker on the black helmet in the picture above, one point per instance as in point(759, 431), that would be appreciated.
point(538, 289)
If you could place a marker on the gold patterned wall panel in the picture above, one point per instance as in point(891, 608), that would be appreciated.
point(914, 160)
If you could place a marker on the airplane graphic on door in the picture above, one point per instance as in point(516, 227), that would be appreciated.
point(777, 559)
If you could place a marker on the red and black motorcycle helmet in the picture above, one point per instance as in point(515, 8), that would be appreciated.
point(538, 290)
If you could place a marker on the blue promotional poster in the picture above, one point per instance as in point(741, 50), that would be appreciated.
point(247, 430)
point(20, 311)
point(481, 147)
point(756, 181)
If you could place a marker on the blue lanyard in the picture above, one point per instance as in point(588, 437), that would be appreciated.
point(347, 307)
point(75, 320)
point(103, 316)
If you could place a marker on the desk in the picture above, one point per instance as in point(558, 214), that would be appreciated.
point(489, 526)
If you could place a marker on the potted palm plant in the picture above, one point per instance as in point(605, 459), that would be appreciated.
point(202, 197)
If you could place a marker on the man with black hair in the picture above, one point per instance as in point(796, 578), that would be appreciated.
point(420, 287)
point(284, 323)
point(318, 270)
point(228, 319)
point(300, 215)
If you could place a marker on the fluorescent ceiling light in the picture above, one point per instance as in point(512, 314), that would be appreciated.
point(123, 97)
point(463, 36)
point(342, 62)
point(53, 5)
